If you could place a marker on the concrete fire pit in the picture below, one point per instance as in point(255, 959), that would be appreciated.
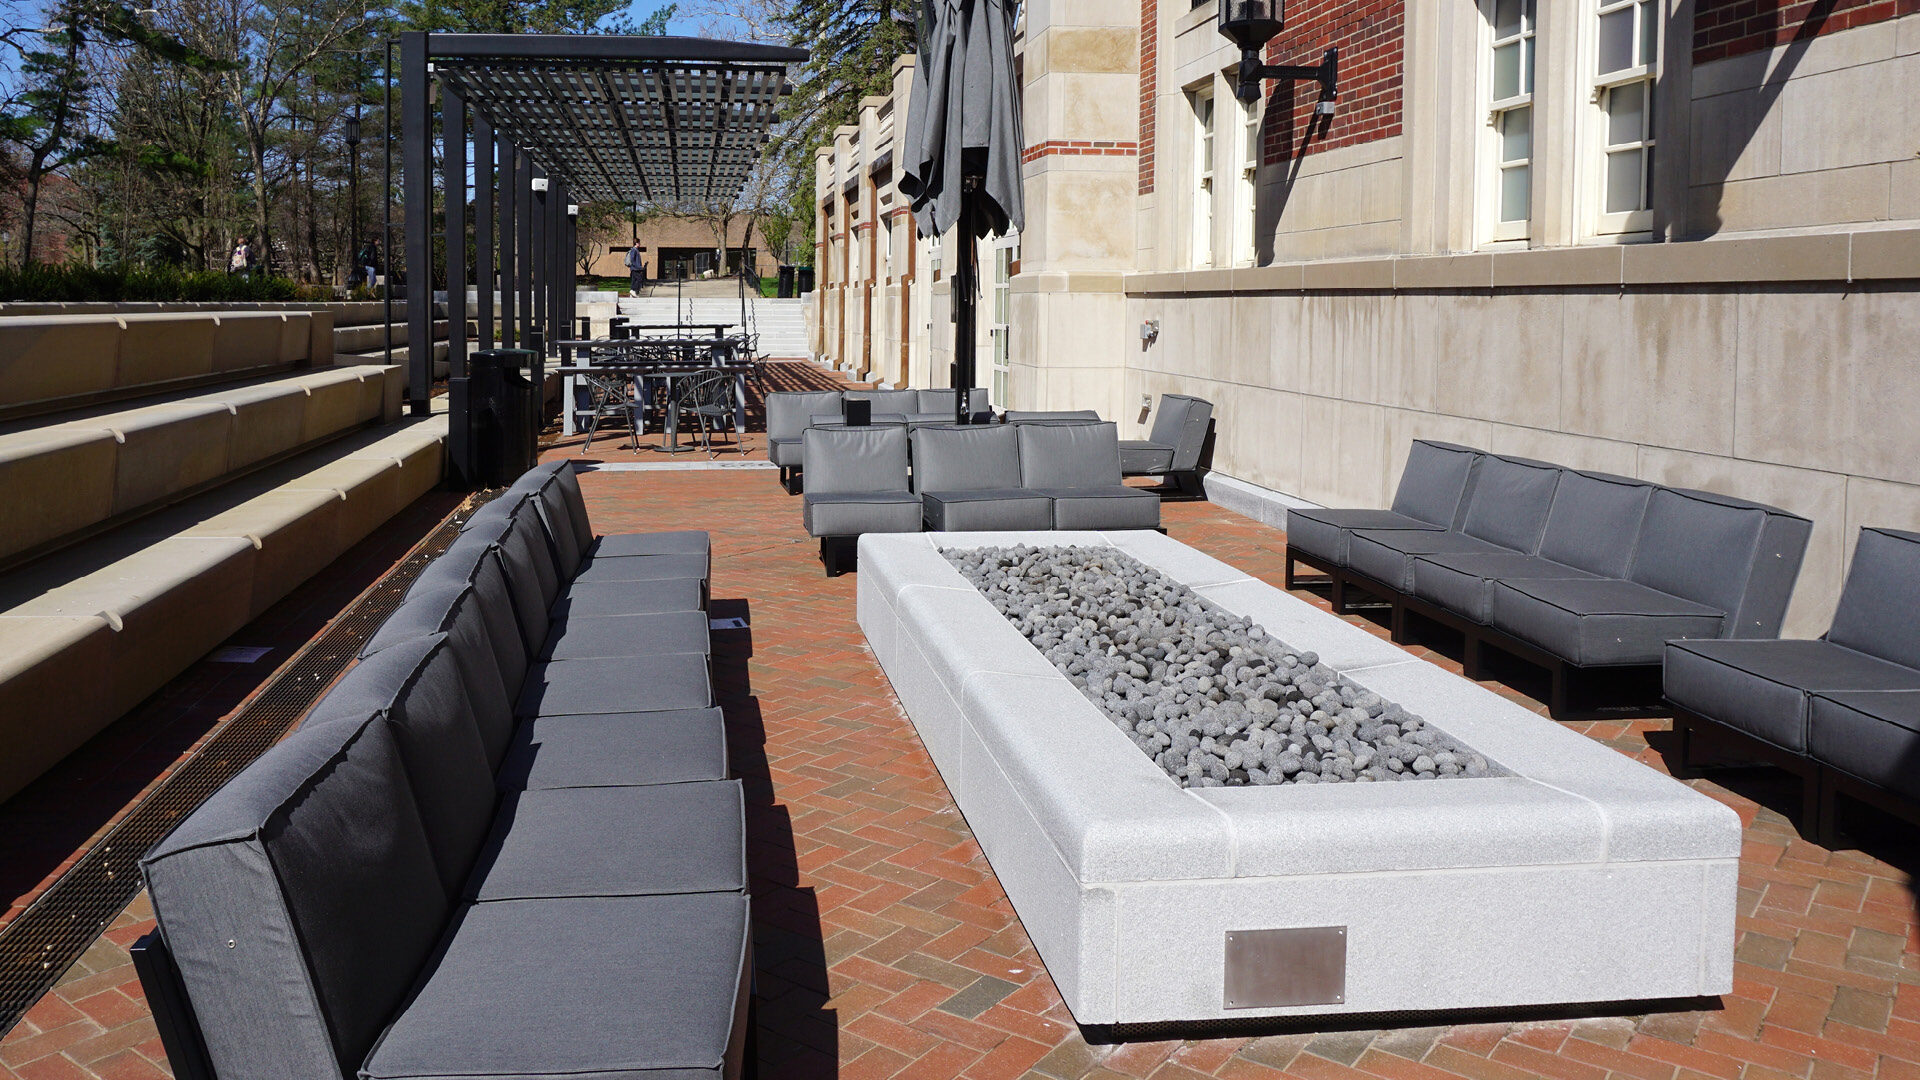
point(1581, 877)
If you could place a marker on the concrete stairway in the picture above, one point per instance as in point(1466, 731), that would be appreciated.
point(781, 323)
point(164, 490)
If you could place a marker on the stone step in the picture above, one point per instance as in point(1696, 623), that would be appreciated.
point(88, 632)
point(83, 471)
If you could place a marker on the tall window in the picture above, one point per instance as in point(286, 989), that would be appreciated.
point(1247, 201)
point(1006, 255)
point(1626, 64)
point(1510, 118)
point(1202, 102)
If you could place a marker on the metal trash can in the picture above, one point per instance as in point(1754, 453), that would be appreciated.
point(785, 289)
point(495, 419)
point(803, 280)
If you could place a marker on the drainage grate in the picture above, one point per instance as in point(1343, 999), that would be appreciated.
point(37, 947)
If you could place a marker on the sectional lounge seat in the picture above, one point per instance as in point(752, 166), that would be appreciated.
point(1578, 572)
point(973, 478)
point(1842, 712)
point(1172, 449)
point(473, 859)
point(1050, 416)
point(789, 414)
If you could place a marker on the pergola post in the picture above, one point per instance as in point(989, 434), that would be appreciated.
point(483, 203)
point(523, 242)
point(416, 163)
point(508, 237)
point(537, 249)
point(453, 126)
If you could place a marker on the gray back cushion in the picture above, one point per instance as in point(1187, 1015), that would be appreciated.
point(1181, 423)
point(456, 564)
point(1433, 487)
point(532, 579)
point(1510, 501)
point(1014, 416)
point(1697, 549)
point(856, 458)
point(300, 901)
point(550, 504)
point(569, 482)
point(788, 413)
point(418, 686)
point(887, 401)
point(510, 653)
point(1594, 521)
point(942, 401)
point(1879, 601)
point(1069, 456)
point(457, 611)
point(967, 458)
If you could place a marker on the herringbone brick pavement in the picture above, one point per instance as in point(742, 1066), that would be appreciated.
point(885, 946)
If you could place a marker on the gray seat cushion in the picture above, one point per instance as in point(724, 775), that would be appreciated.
point(1327, 534)
point(850, 513)
point(615, 841)
point(787, 452)
point(678, 542)
point(1873, 736)
point(1141, 457)
point(1599, 621)
point(588, 637)
point(1881, 595)
point(613, 988)
point(1387, 556)
point(616, 750)
point(610, 685)
point(1115, 507)
point(417, 686)
point(632, 598)
point(299, 901)
point(1462, 582)
point(989, 510)
point(639, 568)
point(1761, 687)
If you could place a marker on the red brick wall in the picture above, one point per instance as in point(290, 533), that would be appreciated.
point(1149, 82)
point(1371, 37)
point(1723, 28)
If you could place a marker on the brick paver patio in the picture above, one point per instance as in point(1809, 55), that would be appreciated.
point(885, 946)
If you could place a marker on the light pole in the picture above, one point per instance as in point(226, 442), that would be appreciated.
point(353, 189)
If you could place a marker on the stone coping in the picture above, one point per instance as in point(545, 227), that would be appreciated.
point(1615, 882)
point(1837, 257)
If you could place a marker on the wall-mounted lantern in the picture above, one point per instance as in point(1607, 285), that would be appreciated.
point(573, 209)
point(1251, 24)
point(540, 183)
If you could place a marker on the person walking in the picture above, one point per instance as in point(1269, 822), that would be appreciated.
point(369, 259)
point(636, 270)
point(241, 261)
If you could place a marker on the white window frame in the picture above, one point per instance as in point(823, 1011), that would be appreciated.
point(1247, 188)
point(1006, 253)
point(1492, 166)
point(1596, 145)
point(1205, 158)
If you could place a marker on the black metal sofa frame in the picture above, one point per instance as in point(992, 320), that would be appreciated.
point(1841, 712)
point(1583, 574)
point(504, 844)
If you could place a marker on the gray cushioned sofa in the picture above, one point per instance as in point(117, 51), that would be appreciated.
point(1842, 712)
point(790, 413)
point(857, 484)
point(1579, 572)
point(505, 844)
point(1173, 446)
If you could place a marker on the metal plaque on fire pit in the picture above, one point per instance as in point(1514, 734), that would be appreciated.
point(1302, 966)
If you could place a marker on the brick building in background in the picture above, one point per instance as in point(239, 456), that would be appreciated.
point(1675, 239)
point(682, 246)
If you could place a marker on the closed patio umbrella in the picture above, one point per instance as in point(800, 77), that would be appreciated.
point(963, 146)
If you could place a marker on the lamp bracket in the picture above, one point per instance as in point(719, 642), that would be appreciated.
point(1326, 73)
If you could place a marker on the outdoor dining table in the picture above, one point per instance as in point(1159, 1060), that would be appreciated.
point(669, 372)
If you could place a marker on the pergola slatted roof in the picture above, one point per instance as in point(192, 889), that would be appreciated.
point(625, 119)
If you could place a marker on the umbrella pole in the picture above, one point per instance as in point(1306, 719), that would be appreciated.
point(964, 299)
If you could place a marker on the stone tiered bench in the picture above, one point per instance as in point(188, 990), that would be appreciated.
point(1583, 877)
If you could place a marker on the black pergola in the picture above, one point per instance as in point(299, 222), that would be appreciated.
point(547, 120)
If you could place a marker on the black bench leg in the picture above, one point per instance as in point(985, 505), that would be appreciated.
point(840, 554)
point(1557, 695)
point(1189, 484)
point(1397, 623)
point(1820, 809)
point(1680, 766)
point(1470, 661)
point(790, 480)
point(1337, 596)
point(1288, 572)
point(172, 1013)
